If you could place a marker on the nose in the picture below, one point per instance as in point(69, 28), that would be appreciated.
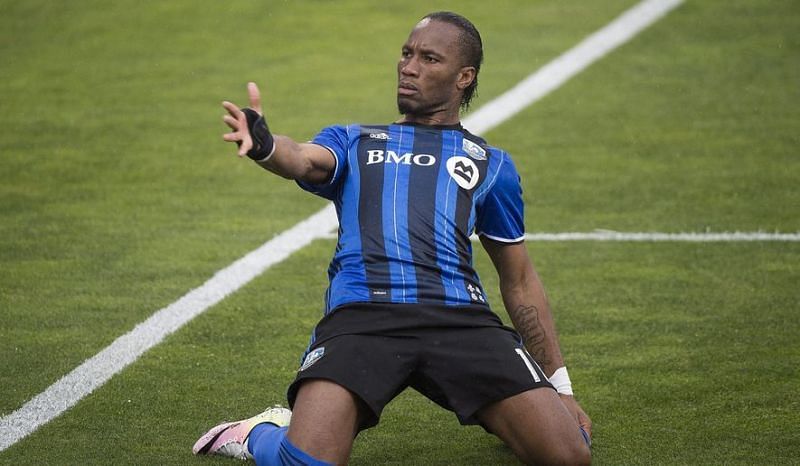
point(408, 66)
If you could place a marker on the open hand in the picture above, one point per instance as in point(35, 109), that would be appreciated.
point(237, 121)
point(580, 416)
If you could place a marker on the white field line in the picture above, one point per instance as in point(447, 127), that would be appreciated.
point(95, 371)
point(706, 237)
point(567, 65)
point(126, 349)
point(651, 236)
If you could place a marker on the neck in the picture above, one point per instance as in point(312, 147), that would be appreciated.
point(436, 118)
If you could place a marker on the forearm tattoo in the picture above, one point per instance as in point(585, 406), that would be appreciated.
point(526, 319)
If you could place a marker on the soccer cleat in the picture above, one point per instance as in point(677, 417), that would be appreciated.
point(229, 439)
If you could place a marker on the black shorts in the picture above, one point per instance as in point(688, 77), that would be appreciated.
point(462, 358)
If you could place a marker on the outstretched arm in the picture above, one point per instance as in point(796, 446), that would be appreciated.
point(526, 302)
point(307, 162)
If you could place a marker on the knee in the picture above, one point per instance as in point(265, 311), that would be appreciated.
point(564, 454)
point(580, 455)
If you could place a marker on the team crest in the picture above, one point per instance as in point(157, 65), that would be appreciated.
point(473, 150)
point(464, 171)
point(313, 357)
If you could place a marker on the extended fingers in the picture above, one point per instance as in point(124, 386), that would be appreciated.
point(237, 121)
point(243, 140)
point(585, 423)
point(232, 122)
point(232, 137)
point(254, 96)
point(233, 110)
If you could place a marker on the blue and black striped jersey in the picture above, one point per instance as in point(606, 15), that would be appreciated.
point(408, 197)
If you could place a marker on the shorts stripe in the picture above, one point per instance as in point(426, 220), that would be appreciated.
point(526, 359)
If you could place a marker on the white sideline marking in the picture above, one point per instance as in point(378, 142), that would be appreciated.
point(707, 237)
point(95, 371)
point(651, 236)
point(567, 65)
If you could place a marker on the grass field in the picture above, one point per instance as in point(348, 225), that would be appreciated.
point(117, 196)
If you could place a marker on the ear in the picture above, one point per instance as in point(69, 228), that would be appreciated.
point(465, 77)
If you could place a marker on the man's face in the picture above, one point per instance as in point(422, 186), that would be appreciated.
point(430, 69)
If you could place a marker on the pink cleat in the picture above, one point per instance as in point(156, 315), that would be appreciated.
point(230, 438)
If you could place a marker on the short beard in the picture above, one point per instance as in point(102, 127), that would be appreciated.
point(415, 108)
point(404, 107)
point(412, 108)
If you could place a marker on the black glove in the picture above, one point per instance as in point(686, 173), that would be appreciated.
point(263, 142)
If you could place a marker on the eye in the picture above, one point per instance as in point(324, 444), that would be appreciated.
point(405, 53)
point(430, 59)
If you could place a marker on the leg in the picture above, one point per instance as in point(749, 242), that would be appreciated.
point(322, 429)
point(325, 420)
point(538, 427)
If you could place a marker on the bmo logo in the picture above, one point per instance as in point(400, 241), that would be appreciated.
point(380, 156)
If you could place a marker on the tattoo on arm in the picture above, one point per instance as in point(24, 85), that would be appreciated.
point(526, 319)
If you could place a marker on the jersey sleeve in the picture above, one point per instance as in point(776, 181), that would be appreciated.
point(335, 139)
point(501, 215)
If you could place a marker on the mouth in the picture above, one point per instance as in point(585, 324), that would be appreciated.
point(405, 88)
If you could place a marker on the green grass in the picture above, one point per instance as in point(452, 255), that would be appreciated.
point(117, 196)
point(694, 126)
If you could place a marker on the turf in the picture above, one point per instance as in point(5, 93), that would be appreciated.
point(117, 196)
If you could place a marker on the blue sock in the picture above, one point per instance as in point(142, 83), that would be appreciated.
point(264, 435)
point(270, 447)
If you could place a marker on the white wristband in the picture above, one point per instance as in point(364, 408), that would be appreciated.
point(561, 382)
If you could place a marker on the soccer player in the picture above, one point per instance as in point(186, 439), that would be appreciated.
point(404, 307)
